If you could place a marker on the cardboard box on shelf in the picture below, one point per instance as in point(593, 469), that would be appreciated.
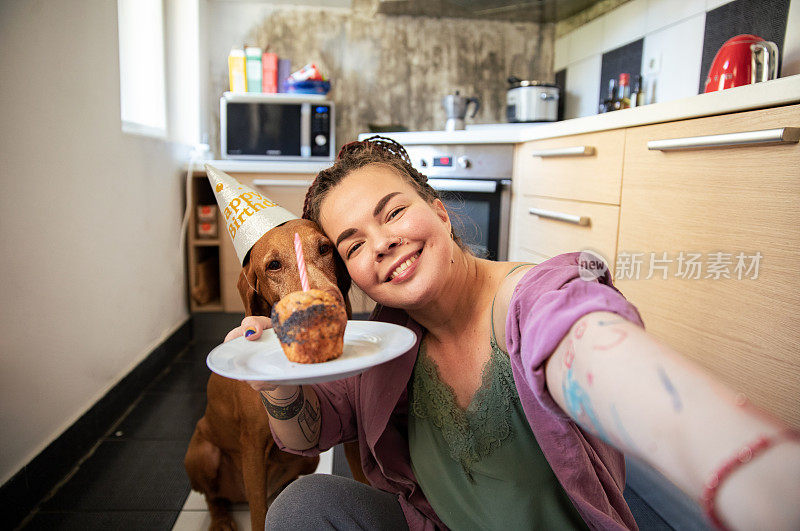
point(205, 287)
point(207, 213)
point(207, 229)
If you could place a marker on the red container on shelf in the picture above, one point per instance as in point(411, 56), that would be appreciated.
point(207, 229)
point(207, 213)
point(742, 60)
point(269, 79)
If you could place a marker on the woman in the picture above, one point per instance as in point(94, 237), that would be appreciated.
point(525, 386)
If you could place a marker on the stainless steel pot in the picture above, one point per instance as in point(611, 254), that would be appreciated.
point(531, 101)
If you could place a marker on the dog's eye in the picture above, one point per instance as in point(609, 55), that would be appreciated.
point(274, 265)
point(324, 248)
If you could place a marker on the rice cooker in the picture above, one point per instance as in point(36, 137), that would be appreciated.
point(531, 101)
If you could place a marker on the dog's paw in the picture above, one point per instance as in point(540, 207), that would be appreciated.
point(223, 524)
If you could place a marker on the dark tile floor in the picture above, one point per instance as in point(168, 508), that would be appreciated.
point(134, 479)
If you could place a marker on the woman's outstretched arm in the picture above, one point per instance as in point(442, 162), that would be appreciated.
point(620, 383)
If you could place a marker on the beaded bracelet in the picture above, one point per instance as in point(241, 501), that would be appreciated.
point(743, 456)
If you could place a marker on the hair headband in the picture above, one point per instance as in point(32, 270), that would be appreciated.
point(387, 145)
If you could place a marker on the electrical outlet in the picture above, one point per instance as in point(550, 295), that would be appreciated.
point(652, 65)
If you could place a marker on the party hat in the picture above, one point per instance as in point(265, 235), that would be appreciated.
point(248, 214)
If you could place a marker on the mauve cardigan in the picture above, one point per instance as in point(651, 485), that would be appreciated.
point(372, 407)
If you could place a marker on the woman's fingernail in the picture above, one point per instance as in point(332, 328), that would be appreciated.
point(249, 332)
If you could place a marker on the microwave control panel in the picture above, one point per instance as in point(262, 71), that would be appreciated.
point(321, 130)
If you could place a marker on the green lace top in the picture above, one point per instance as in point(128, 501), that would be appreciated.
point(481, 468)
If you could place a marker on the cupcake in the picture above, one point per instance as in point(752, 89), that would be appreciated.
point(310, 325)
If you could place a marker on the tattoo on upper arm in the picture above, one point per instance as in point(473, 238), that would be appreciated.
point(287, 408)
point(611, 322)
point(621, 335)
point(580, 329)
point(621, 431)
point(309, 421)
point(579, 405)
point(677, 404)
point(569, 355)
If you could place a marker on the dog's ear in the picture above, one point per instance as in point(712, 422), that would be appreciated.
point(254, 304)
point(343, 282)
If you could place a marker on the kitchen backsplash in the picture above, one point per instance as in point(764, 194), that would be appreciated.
point(385, 70)
point(670, 42)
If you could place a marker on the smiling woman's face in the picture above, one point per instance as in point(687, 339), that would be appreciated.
point(367, 214)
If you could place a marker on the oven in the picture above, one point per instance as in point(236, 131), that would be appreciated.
point(474, 181)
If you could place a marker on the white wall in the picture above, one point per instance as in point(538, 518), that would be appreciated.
point(89, 224)
point(673, 47)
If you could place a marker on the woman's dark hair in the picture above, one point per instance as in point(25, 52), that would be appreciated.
point(374, 150)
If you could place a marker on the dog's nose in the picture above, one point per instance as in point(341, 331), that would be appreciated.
point(321, 279)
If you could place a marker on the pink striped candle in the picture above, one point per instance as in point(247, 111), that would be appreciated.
point(301, 262)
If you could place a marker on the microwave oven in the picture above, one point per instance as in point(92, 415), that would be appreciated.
point(282, 126)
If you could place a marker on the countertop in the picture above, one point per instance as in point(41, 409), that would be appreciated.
point(258, 166)
point(781, 91)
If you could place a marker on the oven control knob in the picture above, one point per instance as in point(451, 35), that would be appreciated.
point(320, 140)
point(464, 162)
point(423, 163)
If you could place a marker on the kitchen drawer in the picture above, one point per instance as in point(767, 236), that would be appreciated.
point(743, 199)
point(581, 167)
point(545, 235)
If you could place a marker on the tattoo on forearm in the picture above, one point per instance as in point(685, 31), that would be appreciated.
point(677, 404)
point(286, 408)
point(309, 421)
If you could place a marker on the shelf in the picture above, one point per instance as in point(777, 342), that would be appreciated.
point(206, 242)
point(215, 306)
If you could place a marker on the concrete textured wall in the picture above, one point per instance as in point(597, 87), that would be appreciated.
point(385, 69)
point(587, 15)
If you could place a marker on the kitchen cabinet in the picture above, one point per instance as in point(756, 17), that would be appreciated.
point(566, 193)
point(741, 201)
point(706, 244)
point(213, 263)
point(584, 167)
point(552, 226)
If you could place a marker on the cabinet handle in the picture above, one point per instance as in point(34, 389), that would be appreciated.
point(782, 135)
point(560, 216)
point(283, 182)
point(576, 151)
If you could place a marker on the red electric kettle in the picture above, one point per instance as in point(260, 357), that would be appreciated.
point(742, 60)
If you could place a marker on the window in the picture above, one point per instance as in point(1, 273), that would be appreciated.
point(141, 67)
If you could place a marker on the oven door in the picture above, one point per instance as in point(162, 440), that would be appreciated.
point(480, 208)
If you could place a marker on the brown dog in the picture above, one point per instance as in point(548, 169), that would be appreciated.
point(232, 457)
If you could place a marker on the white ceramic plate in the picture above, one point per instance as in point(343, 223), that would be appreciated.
point(366, 344)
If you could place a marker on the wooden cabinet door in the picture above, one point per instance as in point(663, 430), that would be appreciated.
point(584, 167)
point(549, 227)
point(723, 204)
